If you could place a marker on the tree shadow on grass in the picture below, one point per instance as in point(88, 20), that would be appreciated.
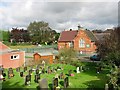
point(95, 85)
point(51, 86)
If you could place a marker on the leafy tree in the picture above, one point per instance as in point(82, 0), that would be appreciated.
point(109, 48)
point(5, 35)
point(67, 54)
point(40, 32)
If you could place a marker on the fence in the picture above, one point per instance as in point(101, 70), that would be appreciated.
point(37, 48)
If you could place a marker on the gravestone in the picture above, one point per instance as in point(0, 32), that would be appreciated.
point(43, 62)
point(21, 74)
point(56, 76)
point(55, 83)
point(38, 66)
point(10, 73)
point(66, 82)
point(37, 77)
point(28, 80)
point(69, 72)
point(30, 72)
point(1, 71)
point(37, 71)
point(78, 70)
point(61, 75)
point(18, 69)
point(53, 70)
point(48, 70)
point(25, 69)
point(43, 70)
point(81, 68)
point(43, 84)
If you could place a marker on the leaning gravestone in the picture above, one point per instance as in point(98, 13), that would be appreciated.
point(55, 83)
point(56, 76)
point(10, 73)
point(37, 77)
point(66, 82)
point(28, 80)
point(21, 74)
point(43, 84)
point(18, 69)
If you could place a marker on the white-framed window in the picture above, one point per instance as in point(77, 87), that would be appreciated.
point(81, 43)
point(14, 57)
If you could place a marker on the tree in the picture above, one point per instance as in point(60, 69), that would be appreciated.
point(5, 35)
point(40, 32)
point(109, 48)
point(67, 54)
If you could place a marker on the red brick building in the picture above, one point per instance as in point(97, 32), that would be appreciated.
point(81, 40)
point(47, 57)
point(11, 58)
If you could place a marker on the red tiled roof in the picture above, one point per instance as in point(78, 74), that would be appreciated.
point(68, 35)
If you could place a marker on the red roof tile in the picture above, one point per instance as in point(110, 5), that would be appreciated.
point(3, 46)
point(68, 35)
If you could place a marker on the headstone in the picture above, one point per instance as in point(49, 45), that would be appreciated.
point(53, 70)
point(25, 69)
point(30, 71)
point(48, 70)
point(38, 66)
point(55, 83)
point(43, 84)
point(81, 68)
point(10, 73)
point(37, 71)
point(1, 71)
point(78, 70)
point(18, 69)
point(66, 82)
point(43, 70)
point(28, 80)
point(37, 77)
point(21, 74)
point(106, 87)
point(61, 75)
point(43, 62)
point(56, 76)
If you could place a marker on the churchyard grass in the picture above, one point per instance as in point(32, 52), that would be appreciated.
point(86, 79)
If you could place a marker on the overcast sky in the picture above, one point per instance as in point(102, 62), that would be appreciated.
point(91, 14)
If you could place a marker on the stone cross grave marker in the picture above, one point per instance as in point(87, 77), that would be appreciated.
point(55, 83)
point(43, 84)
point(66, 82)
point(28, 80)
point(37, 77)
point(18, 69)
point(10, 73)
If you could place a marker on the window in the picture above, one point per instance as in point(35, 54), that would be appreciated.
point(81, 43)
point(88, 45)
point(14, 57)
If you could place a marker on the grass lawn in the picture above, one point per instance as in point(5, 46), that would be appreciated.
point(86, 79)
point(22, 46)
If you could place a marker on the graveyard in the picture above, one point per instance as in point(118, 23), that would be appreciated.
point(55, 76)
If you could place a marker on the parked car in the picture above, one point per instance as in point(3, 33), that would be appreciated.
point(95, 57)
